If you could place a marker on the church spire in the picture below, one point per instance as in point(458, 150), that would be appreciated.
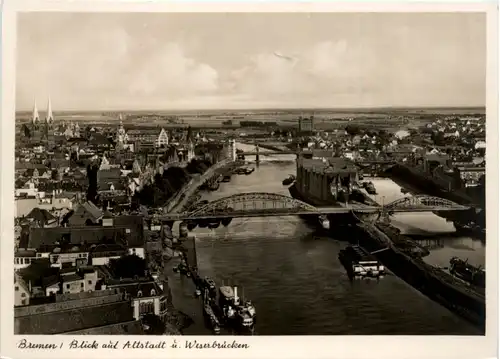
point(35, 118)
point(50, 117)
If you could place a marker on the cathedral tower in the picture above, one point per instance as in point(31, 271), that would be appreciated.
point(35, 117)
point(49, 118)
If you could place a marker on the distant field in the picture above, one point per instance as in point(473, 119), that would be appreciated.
point(324, 119)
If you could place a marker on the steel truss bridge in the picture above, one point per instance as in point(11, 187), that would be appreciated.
point(273, 153)
point(261, 204)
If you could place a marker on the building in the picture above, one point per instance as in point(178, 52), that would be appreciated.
point(42, 131)
point(103, 253)
point(53, 204)
point(78, 280)
point(306, 124)
point(85, 214)
point(145, 138)
point(323, 179)
point(22, 291)
point(73, 244)
point(147, 296)
point(101, 312)
point(23, 258)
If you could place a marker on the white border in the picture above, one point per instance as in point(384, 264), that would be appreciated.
point(279, 346)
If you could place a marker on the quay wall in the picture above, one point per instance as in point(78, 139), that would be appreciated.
point(430, 281)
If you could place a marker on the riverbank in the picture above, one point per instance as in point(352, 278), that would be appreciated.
point(176, 321)
point(166, 188)
point(443, 288)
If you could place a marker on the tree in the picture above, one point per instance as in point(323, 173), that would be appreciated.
point(26, 131)
point(153, 325)
point(128, 266)
point(55, 175)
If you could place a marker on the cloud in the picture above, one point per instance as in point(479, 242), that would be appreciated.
point(337, 73)
point(146, 61)
point(108, 67)
point(325, 69)
point(170, 72)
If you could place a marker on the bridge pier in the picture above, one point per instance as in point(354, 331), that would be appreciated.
point(257, 159)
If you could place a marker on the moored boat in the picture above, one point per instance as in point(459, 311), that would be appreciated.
point(249, 170)
point(467, 272)
point(214, 186)
point(242, 316)
point(370, 188)
point(360, 263)
point(289, 180)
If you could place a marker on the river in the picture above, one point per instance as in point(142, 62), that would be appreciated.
point(295, 279)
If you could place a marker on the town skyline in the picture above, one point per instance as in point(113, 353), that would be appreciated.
point(154, 62)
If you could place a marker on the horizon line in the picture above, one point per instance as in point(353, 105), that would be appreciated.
point(241, 109)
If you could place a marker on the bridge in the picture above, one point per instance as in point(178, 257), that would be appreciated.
point(257, 153)
point(261, 204)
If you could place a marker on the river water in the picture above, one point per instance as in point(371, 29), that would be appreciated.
point(295, 280)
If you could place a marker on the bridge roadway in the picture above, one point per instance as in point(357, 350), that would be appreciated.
point(279, 212)
point(271, 153)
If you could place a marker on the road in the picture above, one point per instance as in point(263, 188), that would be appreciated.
point(178, 202)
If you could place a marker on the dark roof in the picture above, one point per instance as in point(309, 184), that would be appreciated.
point(98, 139)
point(322, 153)
point(133, 288)
point(101, 249)
point(117, 183)
point(71, 278)
point(129, 328)
point(20, 182)
point(25, 253)
point(92, 209)
point(29, 172)
point(40, 215)
point(136, 225)
point(28, 165)
point(74, 319)
point(58, 163)
point(51, 280)
point(68, 269)
point(112, 173)
point(47, 237)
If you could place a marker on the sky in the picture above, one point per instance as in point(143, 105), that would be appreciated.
point(141, 61)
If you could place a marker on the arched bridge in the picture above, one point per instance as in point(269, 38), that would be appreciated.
point(422, 203)
point(261, 204)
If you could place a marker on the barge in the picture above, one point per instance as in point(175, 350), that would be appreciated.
point(360, 263)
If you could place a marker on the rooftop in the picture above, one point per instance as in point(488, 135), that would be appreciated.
point(74, 319)
point(128, 328)
point(51, 237)
point(137, 288)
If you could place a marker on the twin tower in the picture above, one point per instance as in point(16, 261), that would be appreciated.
point(49, 117)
